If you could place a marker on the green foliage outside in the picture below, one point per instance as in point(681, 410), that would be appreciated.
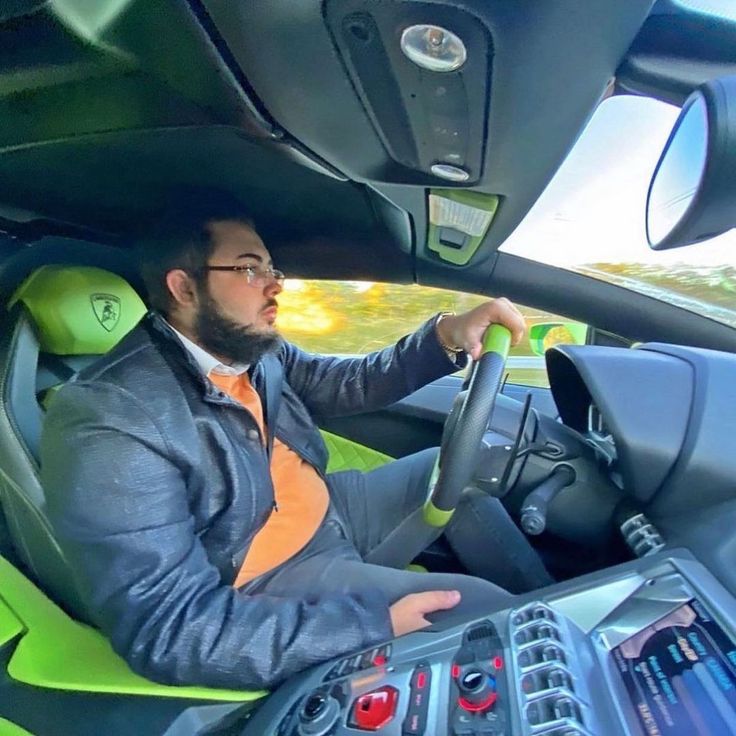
point(347, 317)
point(355, 318)
point(351, 317)
point(707, 290)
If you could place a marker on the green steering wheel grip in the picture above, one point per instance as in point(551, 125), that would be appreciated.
point(497, 340)
point(458, 463)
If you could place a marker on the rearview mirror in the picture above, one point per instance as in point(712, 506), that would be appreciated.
point(692, 195)
point(545, 335)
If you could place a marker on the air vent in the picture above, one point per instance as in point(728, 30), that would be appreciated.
point(484, 631)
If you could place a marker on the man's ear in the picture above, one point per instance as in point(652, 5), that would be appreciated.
point(182, 287)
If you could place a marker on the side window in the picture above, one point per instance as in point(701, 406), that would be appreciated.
point(357, 317)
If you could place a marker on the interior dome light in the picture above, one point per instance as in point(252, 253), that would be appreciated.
point(433, 48)
point(451, 173)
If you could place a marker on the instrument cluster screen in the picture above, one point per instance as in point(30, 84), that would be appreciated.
point(680, 674)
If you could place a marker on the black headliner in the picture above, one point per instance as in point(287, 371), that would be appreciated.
point(102, 117)
point(552, 62)
point(268, 70)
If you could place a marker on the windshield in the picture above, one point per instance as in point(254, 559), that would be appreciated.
point(590, 219)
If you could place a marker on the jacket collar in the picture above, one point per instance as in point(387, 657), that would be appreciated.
point(174, 350)
point(207, 363)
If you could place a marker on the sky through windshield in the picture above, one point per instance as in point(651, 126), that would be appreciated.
point(722, 8)
point(593, 210)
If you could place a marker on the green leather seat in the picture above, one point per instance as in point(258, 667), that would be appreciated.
point(59, 319)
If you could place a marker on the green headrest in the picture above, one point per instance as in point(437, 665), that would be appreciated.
point(79, 310)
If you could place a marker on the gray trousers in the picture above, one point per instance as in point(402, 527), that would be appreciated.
point(375, 517)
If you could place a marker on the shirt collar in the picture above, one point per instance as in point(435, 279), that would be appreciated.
point(208, 363)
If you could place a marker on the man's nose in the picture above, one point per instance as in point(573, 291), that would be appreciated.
point(273, 288)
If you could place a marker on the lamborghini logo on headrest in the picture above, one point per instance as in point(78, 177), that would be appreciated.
point(107, 310)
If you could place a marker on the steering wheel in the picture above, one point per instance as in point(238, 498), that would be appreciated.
point(455, 464)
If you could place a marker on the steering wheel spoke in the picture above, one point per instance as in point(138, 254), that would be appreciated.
point(456, 462)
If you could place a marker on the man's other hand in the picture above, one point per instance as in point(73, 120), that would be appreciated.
point(466, 330)
point(407, 614)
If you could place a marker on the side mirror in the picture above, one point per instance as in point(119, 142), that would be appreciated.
point(545, 335)
point(692, 195)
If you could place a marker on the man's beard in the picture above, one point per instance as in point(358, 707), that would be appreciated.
point(228, 339)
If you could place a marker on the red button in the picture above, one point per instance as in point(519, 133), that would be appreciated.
point(421, 680)
point(456, 671)
point(374, 710)
point(379, 660)
point(498, 663)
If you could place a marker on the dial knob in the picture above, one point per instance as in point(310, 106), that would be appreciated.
point(319, 713)
point(477, 690)
point(314, 706)
point(472, 681)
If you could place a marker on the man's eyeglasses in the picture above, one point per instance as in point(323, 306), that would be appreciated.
point(254, 276)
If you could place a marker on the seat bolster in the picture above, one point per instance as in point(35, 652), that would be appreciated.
point(18, 364)
point(21, 496)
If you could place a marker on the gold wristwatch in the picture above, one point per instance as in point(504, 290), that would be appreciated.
point(452, 352)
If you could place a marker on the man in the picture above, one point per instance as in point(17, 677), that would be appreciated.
point(207, 541)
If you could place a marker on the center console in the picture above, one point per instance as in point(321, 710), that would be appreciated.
point(647, 648)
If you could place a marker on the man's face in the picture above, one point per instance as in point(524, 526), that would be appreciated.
point(236, 319)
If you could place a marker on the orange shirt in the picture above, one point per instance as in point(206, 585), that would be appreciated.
point(300, 494)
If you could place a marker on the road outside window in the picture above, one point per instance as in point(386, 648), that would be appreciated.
point(356, 317)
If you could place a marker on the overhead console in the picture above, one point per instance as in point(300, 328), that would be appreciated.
point(347, 79)
point(645, 648)
point(430, 117)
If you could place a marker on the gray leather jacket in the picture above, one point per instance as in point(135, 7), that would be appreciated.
point(156, 484)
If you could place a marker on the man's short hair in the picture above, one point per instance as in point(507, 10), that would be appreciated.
point(181, 238)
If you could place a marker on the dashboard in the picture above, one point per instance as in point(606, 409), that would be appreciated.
point(644, 648)
point(660, 418)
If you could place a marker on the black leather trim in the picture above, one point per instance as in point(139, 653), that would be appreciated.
point(21, 496)
point(19, 386)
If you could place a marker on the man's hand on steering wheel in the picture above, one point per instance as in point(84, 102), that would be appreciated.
point(466, 330)
point(486, 333)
